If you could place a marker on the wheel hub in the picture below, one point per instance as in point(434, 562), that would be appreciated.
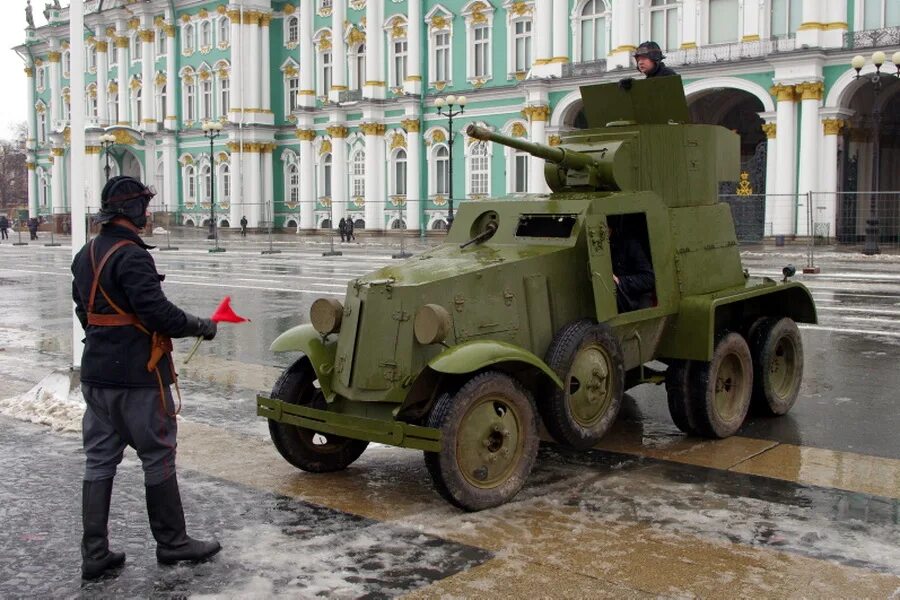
point(489, 443)
point(588, 390)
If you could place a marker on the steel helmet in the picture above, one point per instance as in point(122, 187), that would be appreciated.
point(649, 49)
point(127, 197)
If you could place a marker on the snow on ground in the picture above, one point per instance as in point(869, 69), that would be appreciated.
point(53, 401)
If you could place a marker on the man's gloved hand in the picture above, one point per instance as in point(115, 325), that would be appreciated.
point(200, 327)
point(625, 84)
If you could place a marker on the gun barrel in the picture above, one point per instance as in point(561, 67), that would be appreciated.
point(565, 158)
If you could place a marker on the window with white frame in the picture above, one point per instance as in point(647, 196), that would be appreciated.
point(42, 122)
point(592, 30)
point(40, 79)
point(91, 97)
point(205, 34)
point(161, 102)
point(521, 30)
point(190, 183)
point(292, 183)
point(224, 95)
point(292, 30)
point(879, 14)
point(136, 48)
point(325, 71)
point(162, 46)
point(441, 67)
point(441, 170)
point(358, 67)
point(158, 202)
point(400, 50)
point(206, 96)
point(138, 109)
point(786, 16)
point(664, 23)
point(358, 174)
point(292, 84)
point(479, 169)
point(189, 99)
point(112, 106)
point(205, 182)
point(224, 184)
point(325, 181)
point(91, 58)
point(398, 183)
point(66, 103)
point(481, 51)
point(44, 178)
point(66, 63)
point(224, 33)
point(723, 21)
point(187, 38)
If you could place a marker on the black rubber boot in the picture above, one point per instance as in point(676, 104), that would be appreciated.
point(167, 523)
point(96, 559)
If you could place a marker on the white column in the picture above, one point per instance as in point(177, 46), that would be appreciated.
point(374, 85)
point(751, 30)
point(412, 126)
point(810, 136)
point(811, 27)
point(537, 117)
point(836, 24)
point(236, 164)
point(413, 83)
point(103, 82)
point(56, 99)
point(307, 55)
point(148, 91)
point(32, 188)
point(95, 178)
point(236, 76)
point(170, 175)
point(124, 89)
point(254, 188)
point(266, 87)
point(783, 222)
point(689, 10)
point(268, 184)
point(339, 49)
point(338, 135)
point(770, 128)
point(173, 84)
point(560, 31)
point(624, 33)
point(57, 183)
point(254, 79)
point(829, 184)
point(307, 178)
point(373, 198)
point(31, 139)
point(543, 32)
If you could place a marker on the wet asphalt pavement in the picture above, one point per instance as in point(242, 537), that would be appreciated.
point(378, 530)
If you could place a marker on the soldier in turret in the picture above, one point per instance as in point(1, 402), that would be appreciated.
point(649, 60)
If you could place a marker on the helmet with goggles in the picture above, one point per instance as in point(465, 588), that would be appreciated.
point(125, 196)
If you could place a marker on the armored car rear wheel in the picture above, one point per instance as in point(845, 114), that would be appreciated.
point(489, 442)
point(677, 388)
point(587, 357)
point(777, 352)
point(720, 389)
point(305, 448)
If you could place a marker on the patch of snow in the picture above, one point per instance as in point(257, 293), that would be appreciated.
point(53, 401)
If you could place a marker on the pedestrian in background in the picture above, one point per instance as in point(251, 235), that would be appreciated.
point(126, 371)
point(342, 227)
point(244, 226)
point(4, 226)
point(33, 227)
point(350, 234)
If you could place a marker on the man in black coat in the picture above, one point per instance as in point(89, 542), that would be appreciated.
point(632, 272)
point(649, 59)
point(126, 371)
point(4, 226)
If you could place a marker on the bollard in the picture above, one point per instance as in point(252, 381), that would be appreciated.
point(779, 240)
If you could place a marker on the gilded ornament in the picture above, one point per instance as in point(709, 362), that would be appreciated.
point(204, 75)
point(411, 125)
point(355, 36)
point(135, 84)
point(520, 9)
point(337, 131)
point(439, 22)
point(102, 46)
point(439, 200)
point(185, 18)
point(325, 148)
point(518, 130)
point(58, 151)
point(770, 129)
point(398, 140)
point(398, 30)
point(744, 188)
point(288, 9)
point(305, 135)
point(133, 23)
point(439, 137)
point(554, 140)
point(221, 9)
point(54, 56)
point(203, 13)
point(146, 35)
point(783, 93)
point(123, 137)
point(833, 126)
point(810, 90)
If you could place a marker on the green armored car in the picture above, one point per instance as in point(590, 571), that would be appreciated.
point(521, 317)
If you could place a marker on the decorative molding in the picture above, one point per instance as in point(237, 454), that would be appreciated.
point(744, 188)
point(54, 56)
point(438, 137)
point(325, 148)
point(554, 140)
point(337, 131)
point(770, 129)
point(398, 140)
point(833, 126)
point(536, 113)
point(102, 46)
point(810, 90)
point(518, 130)
point(372, 128)
point(305, 135)
point(147, 35)
point(123, 137)
point(411, 125)
point(520, 9)
point(57, 151)
point(783, 93)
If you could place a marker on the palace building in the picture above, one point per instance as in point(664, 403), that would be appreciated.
point(328, 106)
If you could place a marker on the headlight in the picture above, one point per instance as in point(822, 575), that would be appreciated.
point(432, 324)
point(325, 315)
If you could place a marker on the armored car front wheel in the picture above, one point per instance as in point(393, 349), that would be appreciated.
point(305, 448)
point(489, 441)
point(588, 358)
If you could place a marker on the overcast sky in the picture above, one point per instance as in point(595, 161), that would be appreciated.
point(12, 68)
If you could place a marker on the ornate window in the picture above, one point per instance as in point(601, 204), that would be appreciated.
point(292, 30)
point(592, 31)
point(66, 104)
point(205, 182)
point(398, 72)
point(479, 167)
point(137, 108)
point(291, 74)
point(90, 58)
point(664, 23)
point(358, 174)
point(187, 39)
point(190, 183)
point(224, 31)
point(358, 67)
point(112, 102)
point(479, 18)
point(206, 95)
point(292, 183)
point(188, 95)
point(441, 70)
point(441, 162)
point(205, 34)
point(517, 162)
point(90, 95)
point(723, 21)
point(521, 162)
point(160, 101)
point(786, 16)
point(224, 184)
point(44, 179)
point(878, 14)
point(67, 63)
point(136, 48)
point(325, 179)
point(40, 79)
point(162, 42)
point(398, 173)
point(481, 52)
point(224, 95)
point(41, 110)
point(521, 45)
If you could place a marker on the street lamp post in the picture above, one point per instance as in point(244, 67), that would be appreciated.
point(445, 108)
point(212, 130)
point(107, 140)
point(858, 62)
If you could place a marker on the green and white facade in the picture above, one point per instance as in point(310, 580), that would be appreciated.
point(328, 112)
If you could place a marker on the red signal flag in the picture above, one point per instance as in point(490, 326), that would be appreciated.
point(225, 314)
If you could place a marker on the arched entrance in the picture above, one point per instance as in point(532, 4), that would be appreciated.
point(868, 152)
point(738, 110)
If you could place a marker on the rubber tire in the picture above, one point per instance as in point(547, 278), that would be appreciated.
point(447, 415)
point(768, 342)
point(556, 410)
point(703, 378)
point(296, 444)
point(680, 407)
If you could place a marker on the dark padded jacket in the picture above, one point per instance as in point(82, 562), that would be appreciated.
point(636, 280)
point(661, 70)
point(117, 356)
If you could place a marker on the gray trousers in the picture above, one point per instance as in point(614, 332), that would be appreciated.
point(119, 417)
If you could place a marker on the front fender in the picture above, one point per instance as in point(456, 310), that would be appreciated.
point(321, 352)
point(478, 354)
